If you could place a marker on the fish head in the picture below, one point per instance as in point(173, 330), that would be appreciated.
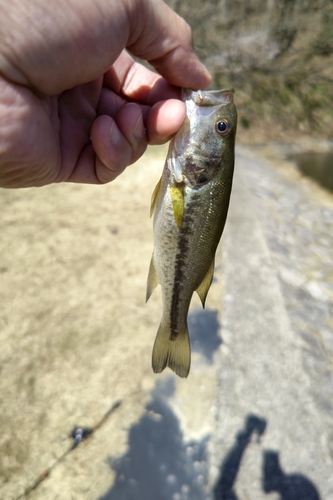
point(206, 139)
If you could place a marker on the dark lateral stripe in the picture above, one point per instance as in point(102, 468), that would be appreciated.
point(185, 234)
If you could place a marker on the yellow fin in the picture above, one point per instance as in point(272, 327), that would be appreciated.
point(154, 197)
point(177, 198)
point(152, 280)
point(204, 286)
point(175, 353)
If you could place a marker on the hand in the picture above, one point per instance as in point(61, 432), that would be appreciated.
point(74, 105)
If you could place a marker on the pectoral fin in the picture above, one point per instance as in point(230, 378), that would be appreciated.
point(152, 280)
point(177, 198)
point(154, 197)
point(204, 286)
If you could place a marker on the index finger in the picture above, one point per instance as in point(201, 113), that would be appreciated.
point(132, 80)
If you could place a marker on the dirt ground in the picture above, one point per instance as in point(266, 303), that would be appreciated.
point(76, 334)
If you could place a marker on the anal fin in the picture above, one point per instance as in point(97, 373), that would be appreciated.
point(152, 280)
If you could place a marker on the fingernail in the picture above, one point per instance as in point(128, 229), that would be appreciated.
point(139, 129)
point(114, 134)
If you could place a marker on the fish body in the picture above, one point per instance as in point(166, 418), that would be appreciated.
point(190, 203)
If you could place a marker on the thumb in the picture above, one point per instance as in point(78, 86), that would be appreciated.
point(70, 42)
point(161, 37)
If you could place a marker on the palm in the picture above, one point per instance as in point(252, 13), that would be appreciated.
point(77, 110)
point(52, 134)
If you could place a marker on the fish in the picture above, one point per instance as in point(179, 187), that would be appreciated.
point(190, 205)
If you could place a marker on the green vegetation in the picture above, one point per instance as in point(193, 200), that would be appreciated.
point(278, 55)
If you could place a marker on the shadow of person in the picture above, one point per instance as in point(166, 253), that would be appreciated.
point(159, 463)
point(289, 486)
point(224, 488)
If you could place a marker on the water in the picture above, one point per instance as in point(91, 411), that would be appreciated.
point(319, 166)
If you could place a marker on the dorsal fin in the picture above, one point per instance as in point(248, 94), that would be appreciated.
point(204, 286)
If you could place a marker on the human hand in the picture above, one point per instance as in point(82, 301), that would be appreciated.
point(74, 105)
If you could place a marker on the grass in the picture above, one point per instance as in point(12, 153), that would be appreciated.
point(279, 58)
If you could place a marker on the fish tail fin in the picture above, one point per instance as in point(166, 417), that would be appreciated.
point(172, 352)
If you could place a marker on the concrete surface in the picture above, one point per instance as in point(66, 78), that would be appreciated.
point(263, 364)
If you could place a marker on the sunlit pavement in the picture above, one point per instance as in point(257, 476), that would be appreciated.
point(254, 418)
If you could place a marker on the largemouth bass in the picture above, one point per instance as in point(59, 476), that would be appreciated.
point(190, 203)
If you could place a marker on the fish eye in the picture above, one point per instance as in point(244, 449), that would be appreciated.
point(202, 179)
point(222, 127)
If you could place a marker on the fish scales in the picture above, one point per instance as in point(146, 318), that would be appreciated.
point(190, 203)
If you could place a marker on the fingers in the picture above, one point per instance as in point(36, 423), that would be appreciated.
point(122, 140)
point(164, 119)
point(162, 110)
point(134, 81)
point(118, 142)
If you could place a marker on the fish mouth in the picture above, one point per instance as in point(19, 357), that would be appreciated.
point(209, 97)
